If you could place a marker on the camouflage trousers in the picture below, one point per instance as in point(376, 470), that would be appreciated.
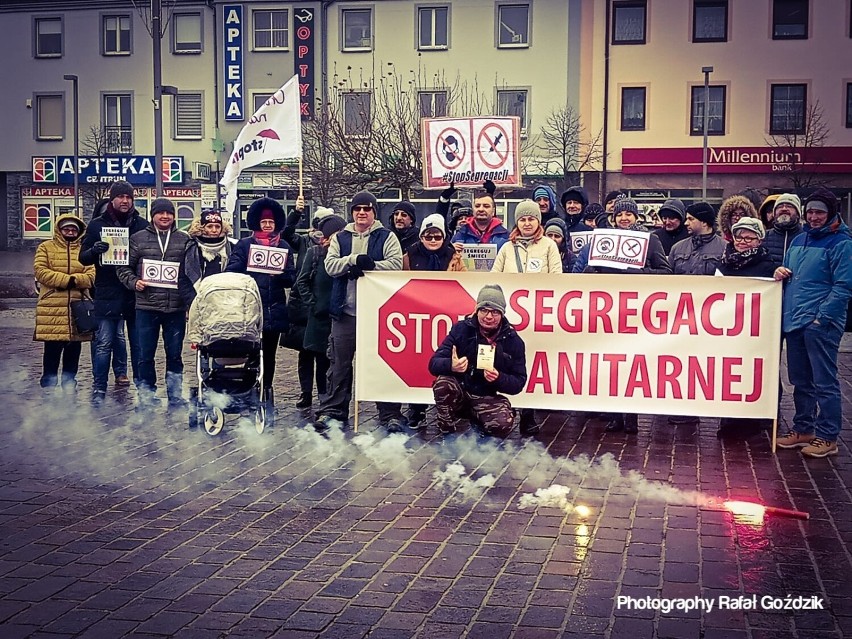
point(493, 413)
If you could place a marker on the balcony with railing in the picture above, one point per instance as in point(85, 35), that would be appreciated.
point(118, 139)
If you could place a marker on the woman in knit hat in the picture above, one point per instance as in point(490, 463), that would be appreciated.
point(210, 249)
point(266, 219)
point(528, 251)
point(556, 230)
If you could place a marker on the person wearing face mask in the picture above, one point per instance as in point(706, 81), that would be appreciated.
point(210, 249)
point(62, 280)
point(156, 271)
point(266, 219)
point(786, 220)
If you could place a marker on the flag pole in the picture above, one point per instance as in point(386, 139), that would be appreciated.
point(300, 177)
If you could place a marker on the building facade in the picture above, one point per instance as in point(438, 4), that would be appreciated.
point(631, 74)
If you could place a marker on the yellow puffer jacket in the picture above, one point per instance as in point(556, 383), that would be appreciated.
point(55, 263)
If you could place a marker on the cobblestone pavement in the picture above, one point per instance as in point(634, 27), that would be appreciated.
point(113, 524)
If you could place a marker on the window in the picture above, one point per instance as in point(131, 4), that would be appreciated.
point(789, 19)
point(186, 33)
point(513, 102)
point(118, 125)
point(849, 105)
point(710, 21)
point(271, 31)
point(188, 116)
point(116, 35)
point(49, 117)
point(433, 27)
point(356, 113)
point(715, 111)
point(433, 104)
point(628, 22)
point(357, 29)
point(633, 109)
point(47, 37)
point(787, 108)
point(513, 25)
point(258, 99)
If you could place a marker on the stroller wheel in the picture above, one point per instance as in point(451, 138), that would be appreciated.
point(214, 421)
point(260, 419)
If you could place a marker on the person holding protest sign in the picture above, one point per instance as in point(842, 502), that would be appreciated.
point(114, 304)
point(454, 213)
point(268, 259)
point(701, 252)
point(362, 246)
point(483, 227)
point(817, 272)
point(528, 250)
point(481, 360)
point(156, 271)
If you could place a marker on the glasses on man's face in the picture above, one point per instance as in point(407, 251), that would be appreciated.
point(489, 312)
point(746, 239)
point(432, 238)
point(362, 208)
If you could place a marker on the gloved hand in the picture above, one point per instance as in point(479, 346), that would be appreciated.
point(99, 248)
point(365, 262)
point(72, 283)
point(489, 187)
point(355, 273)
point(447, 194)
point(321, 314)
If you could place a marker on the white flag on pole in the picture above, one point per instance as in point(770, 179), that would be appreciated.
point(274, 132)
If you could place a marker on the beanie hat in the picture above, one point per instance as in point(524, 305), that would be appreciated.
point(121, 187)
point(162, 205)
point(613, 195)
point(673, 208)
point(319, 213)
point(330, 224)
point(491, 296)
point(704, 212)
point(626, 204)
point(824, 196)
point(406, 207)
point(749, 224)
point(364, 198)
point(210, 216)
point(540, 192)
point(557, 226)
point(789, 198)
point(592, 211)
point(527, 207)
point(267, 214)
point(461, 204)
point(261, 205)
point(434, 222)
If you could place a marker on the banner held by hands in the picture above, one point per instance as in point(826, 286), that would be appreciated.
point(274, 132)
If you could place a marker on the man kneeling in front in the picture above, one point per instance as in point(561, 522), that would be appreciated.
point(482, 357)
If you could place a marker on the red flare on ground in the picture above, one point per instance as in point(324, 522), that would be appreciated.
point(757, 511)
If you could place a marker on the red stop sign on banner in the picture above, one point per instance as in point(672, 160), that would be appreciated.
point(414, 322)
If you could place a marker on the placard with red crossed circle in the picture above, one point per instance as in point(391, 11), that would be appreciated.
point(618, 248)
point(468, 151)
point(267, 259)
point(161, 273)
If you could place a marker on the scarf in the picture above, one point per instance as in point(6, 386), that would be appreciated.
point(267, 238)
point(737, 260)
point(213, 247)
point(700, 240)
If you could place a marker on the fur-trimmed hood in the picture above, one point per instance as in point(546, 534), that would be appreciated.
point(726, 212)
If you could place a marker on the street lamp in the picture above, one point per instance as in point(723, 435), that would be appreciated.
point(706, 71)
point(76, 102)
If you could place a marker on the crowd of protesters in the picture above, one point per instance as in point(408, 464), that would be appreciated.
point(805, 244)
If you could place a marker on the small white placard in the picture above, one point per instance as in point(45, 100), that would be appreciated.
point(160, 273)
point(479, 257)
point(618, 248)
point(579, 239)
point(267, 259)
point(118, 253)
point(485, 357)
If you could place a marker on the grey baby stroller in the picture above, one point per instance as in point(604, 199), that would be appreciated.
point(225, 324)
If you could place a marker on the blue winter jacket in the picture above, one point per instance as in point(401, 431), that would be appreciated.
point(821, 284)
point(496, 233)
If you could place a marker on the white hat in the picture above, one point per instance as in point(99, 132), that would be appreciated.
point(319, 213)
point(433, 222)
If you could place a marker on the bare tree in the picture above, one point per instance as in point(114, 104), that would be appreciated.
point(94, 146)
point(562, 149)
point(800, 150)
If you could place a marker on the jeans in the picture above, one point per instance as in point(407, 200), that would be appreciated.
point(109, 344)
point(812, 367)
point(69, 353)
point(148, 325)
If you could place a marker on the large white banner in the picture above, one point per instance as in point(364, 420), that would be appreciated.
point(274, 132)
point(653, 344)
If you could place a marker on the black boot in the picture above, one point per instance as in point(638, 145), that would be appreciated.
point(304, 400)
point(631, 424)
point(616, 424)
point(528, 425)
